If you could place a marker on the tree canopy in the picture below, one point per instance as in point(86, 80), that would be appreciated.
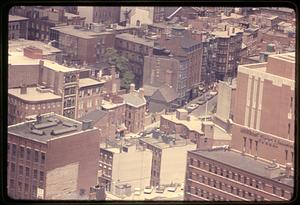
point(112, 57)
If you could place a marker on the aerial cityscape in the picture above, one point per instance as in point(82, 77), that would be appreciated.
point(151, 103)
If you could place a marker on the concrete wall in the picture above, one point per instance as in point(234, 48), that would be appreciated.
point(133, 167)
point(173, 162)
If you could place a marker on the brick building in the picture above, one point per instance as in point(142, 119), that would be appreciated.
point(42, 18)
point(227, 175)
point(264, 127)
point(82, 44)
point(27, 101)
point(106, 15)
point(17, 27)
point(206, 134)
point(162, 70)
point(186, 45)
point(37, 170)
point(134, 49)
point(135, 109)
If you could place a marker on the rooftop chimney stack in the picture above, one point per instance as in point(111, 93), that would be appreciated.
point(288, 170)
point(141, 92)
point(113, 72)
point(132, 87)
point(23, 89)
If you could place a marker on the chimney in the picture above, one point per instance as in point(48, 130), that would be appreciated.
point(23, 89)
point(233, 30)
point(38, 119)
point(131, 88)
point(141, 92)
point(87, 124)
point(99, 75)
point(288, 170)
point(225, 27)
point(114, 88)
point(113, 72)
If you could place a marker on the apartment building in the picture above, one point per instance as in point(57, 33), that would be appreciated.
point(35, 167)
point(42, 18)
point(82, 44)
point(205, 133)
point(124, 165)
point(165, 71)
point(17, 27)
point(135, 109)
point(186, 45)
point(134, 48)
point(169, 157)
point(222, 174)
point(264, 119)
point(106, 15)
point(26, 101)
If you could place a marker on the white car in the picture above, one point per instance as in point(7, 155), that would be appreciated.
point(172, 188)
point(192, 107)
point(148, 190)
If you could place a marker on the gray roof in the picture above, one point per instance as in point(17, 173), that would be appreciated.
point(41, 132)
point(134, 99)
point(242, 162)
point(165, 94)
point(94, 115)
point(188, 42)
point(135, 39)
point(149, 90)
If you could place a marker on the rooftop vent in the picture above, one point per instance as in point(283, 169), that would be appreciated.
point(63, 131)
point(37, 132)
point(68, 124)
point(45, 125)
point(87, 124)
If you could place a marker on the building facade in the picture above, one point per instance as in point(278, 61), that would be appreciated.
point(17, 27)
point(36, 170)
point(226, 175)
point(261, 123)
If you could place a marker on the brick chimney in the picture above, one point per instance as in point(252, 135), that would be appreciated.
point(288, 170)
point(132, 88)
point(141, 92)
point(23, 89)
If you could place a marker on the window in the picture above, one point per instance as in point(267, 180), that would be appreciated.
point(282, 192)
point(250, 144)
point(286, 155)
point(274, 190)
point(289, 129)
point(19, 186)
point(28, 153)
point(245, 139)
point(43, 157)
point(8, 148)
point(191, 161)
point(22, 151)
point(13, 167)
point(20, 170)
point(27, 171)
point(36, 156)
point(26, 187)
point(291, 104)
point(35, 174)
point(12, 183)
point(14, 149)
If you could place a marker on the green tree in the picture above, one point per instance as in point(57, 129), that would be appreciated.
point(112, 57)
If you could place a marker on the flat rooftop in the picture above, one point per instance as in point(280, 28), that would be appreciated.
point(194, 124)
point(157, 140)
point(133, 99)
point(135, 39)
point(50, 127)
point(12, 18)
point(107, 105)
point(57, 67)
point(33, 95)
point(18, 58)
point(19, 44)
point(226, 34)
point(243, 162)
point(86, 82)
point(81, 33)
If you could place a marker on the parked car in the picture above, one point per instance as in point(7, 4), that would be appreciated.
point(172, 188)
point(137, 192)
point(201, 102)
point(160, 189)
point(192, 107)
point(148, 190)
